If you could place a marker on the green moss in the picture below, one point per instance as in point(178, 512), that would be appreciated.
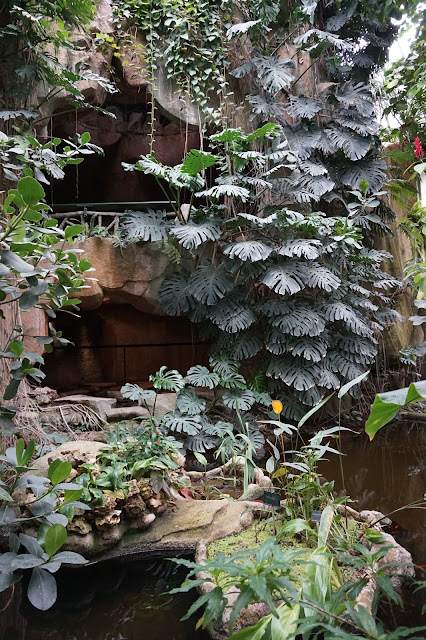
point(254, 536)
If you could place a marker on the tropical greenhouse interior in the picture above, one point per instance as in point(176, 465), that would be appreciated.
point(212, 309)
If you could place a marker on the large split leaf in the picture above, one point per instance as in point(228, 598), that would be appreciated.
point(209, 284)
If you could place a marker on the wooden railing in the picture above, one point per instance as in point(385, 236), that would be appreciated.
point(107, 214)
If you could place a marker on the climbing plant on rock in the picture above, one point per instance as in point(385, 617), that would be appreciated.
point(297, 291)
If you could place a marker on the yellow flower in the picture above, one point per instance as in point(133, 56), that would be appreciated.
point(277, 406)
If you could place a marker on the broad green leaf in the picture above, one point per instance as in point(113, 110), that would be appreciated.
point(4, 495)
point(60, 473)
point(73, 230)
point(54, 539)
point(325, 525)
point(196, 161)
point(386, 405)
point(30, 191)
point(202, 459)
point(42, 590)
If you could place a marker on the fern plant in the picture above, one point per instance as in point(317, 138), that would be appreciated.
point(294, 291)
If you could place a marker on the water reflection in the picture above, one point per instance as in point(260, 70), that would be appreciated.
point(113, 601)
point(386, 474)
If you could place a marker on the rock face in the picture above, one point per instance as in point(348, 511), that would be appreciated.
point(77, 452)
point(129, 276)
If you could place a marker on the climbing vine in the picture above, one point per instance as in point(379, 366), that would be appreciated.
point(185, 39)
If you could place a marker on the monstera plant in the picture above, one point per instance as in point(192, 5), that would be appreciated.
point(292, 288)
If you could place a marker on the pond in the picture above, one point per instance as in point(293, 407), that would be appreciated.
point(384, 475)
point(115, 600)
point(124, 600)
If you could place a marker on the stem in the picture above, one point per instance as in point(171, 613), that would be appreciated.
point(340, 619)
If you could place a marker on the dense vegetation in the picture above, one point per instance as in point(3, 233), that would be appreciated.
point(273, 242)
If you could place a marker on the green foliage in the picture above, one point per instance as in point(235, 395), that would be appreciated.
point(297, 290)
point(404, 91)
point(37, 269)
point(186, 41)
point(52, 502)
point(27, 32)
point(386, 405)
point(309, 584)
point(191, 420)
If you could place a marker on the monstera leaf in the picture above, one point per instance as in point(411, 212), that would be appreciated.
point(359, 96)
point(223, 364)
point(149, 227)
point(353, 145)
point(313, 349)
point(201, 442)
point(220, 190)
point(301, 107)
point(308, 249)
point(200, 376)
point(336, 362)
point(242, 399)
point(296, 318)
point(246, 344)
point(135, 392)
point(312, 40)
point(192, 235)
point(303, 140)
point(232, 316)
point(317, 186)
point(273, 72)
point(189, 403)
point(175, 421)
point(197, 161)
point(328, 379)
point(266, 105)
point(292, 373)
point(363, 125)
point(174, 295)
point(372, 171)
point(251, 250)
point(321, 278)
point(209, 284)
point(361, 350)
point(285, 278)
point(168, 380)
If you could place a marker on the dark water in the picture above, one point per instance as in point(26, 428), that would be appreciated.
point(112, 601)
point(384, 475)
point(387, 474)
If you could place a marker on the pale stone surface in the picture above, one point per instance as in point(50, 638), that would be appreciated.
point(192, 521)
point(131, 275)
point(101, 406)
point(77, 452)
point(174, 102)
point(165, 403)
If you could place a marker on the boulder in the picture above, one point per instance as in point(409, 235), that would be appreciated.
point(178, 458)
point(165, 403)
point(77, 452)
point(79, 526)
point(132, 275)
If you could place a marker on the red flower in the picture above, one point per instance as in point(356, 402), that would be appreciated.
point(158, 442)
point(418, 149)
